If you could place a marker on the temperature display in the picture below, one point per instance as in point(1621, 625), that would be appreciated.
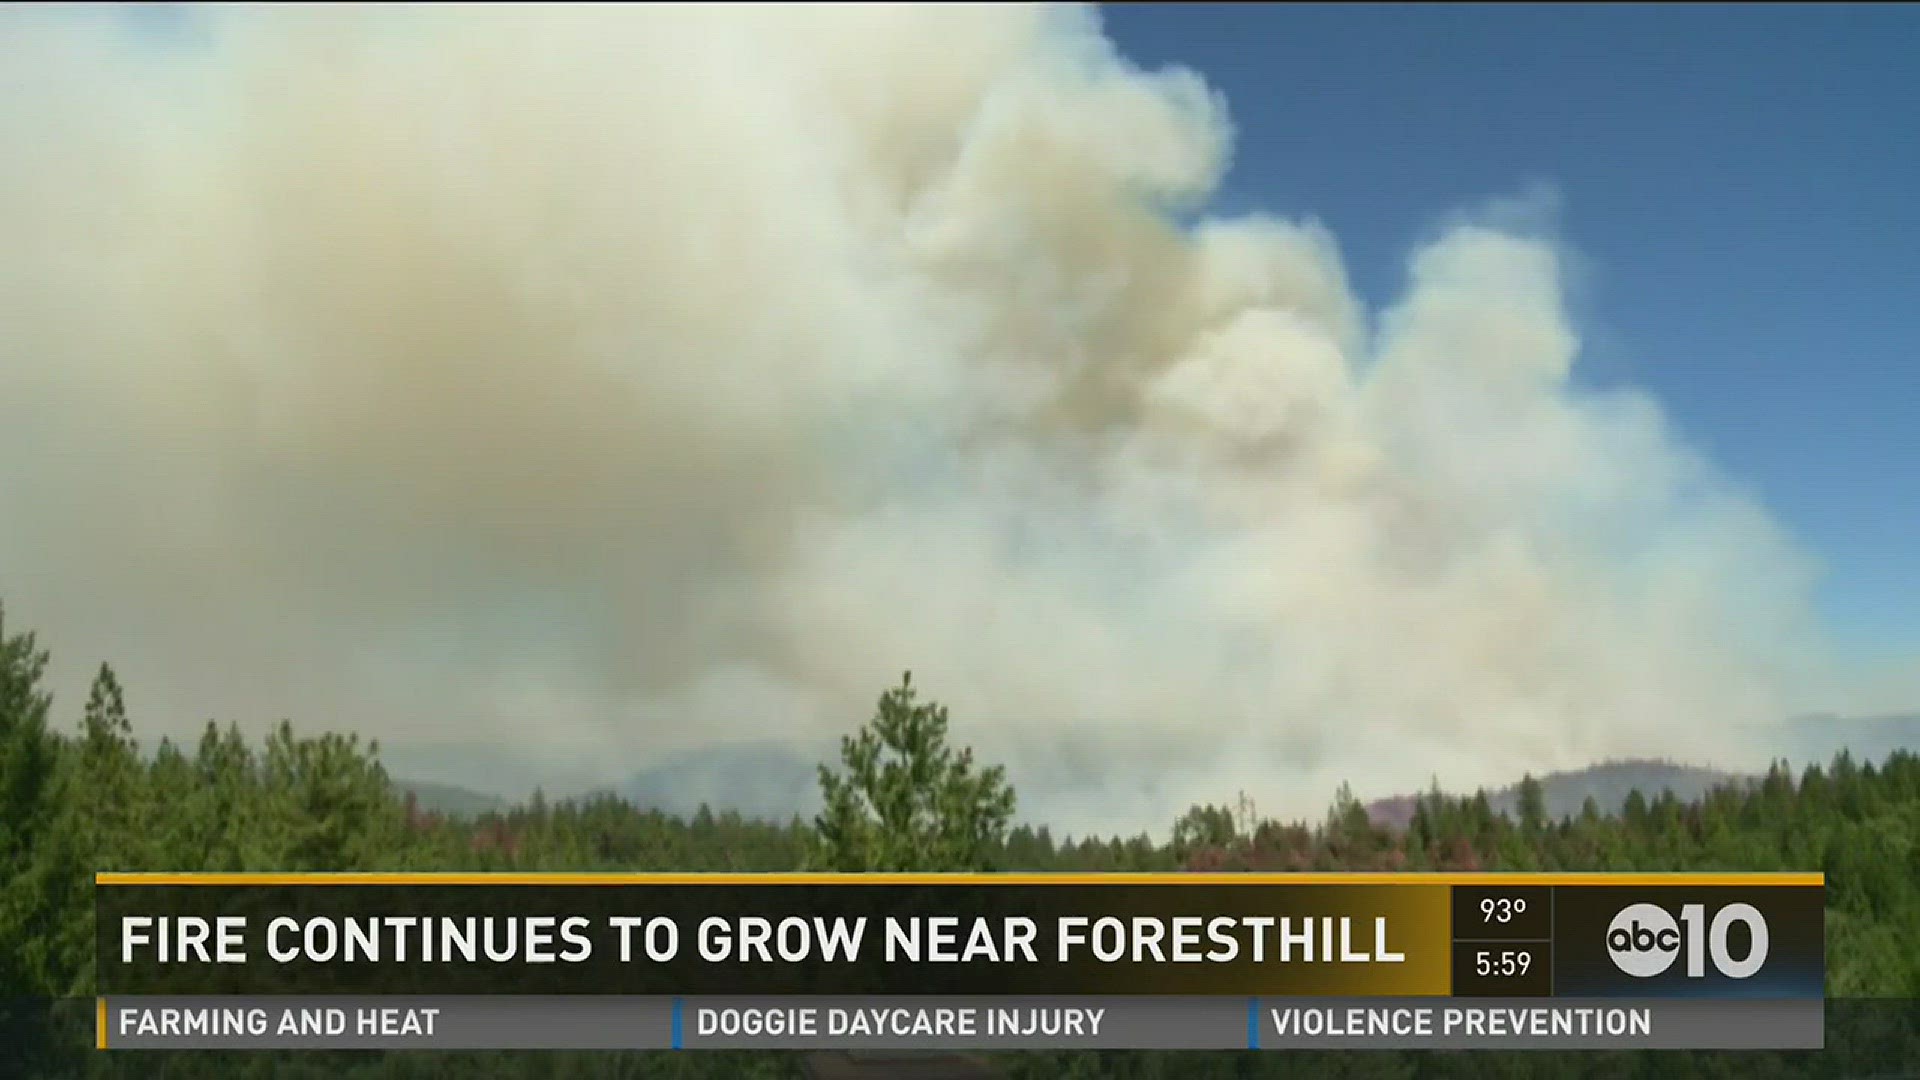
point(1494, 913)
point(1501, 910)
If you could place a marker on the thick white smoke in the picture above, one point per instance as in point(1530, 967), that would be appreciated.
point(600, 382)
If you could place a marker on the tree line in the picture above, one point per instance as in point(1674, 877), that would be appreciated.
point(83, 796)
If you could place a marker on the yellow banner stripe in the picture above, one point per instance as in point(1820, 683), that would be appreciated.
point(1428, 879)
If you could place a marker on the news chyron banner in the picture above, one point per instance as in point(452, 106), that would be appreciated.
point(961, 962)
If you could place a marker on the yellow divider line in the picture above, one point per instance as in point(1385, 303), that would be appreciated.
point(1348, 879)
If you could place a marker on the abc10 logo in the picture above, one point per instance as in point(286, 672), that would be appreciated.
point(1645, 940)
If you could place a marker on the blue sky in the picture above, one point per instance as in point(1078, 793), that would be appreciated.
point(1740, 182)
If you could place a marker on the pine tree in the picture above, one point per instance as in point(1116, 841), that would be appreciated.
point(108, 779)
point(908, 801)
point(27, 749)
point(28, 802)
point(1533, 804)
point(1204, 828)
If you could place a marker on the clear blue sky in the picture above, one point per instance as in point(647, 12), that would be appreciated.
point(1742, 180)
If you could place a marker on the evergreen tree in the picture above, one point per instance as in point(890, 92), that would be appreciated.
point(30, 893)
point(1533, 804)
point(1204, 827)
point(108, 780)
point(27, 749)
point(907, 800)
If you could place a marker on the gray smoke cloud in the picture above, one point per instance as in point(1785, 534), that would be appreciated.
point(592, 384)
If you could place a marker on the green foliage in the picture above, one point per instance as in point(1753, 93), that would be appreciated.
point(33, 896)
point(1203, 828)
point(908, 801)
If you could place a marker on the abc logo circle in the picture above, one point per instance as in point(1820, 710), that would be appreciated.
point(1643, 940)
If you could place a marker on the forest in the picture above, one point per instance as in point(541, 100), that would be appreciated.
point(80, 793)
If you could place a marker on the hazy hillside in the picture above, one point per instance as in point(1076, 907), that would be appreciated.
point(766, 780)
point(450, 799)
point(776, 780)
point(769, 782)
point(1815, 739)
point(1608, 785)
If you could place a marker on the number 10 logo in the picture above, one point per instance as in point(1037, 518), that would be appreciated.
point(1644, 939)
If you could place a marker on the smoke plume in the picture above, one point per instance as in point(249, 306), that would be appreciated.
point(597, 383)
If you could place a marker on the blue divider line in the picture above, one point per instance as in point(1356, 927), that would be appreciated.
point(1253, 1023)
point(676, 1023)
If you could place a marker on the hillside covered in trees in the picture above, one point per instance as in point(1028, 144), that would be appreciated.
point(80, 796)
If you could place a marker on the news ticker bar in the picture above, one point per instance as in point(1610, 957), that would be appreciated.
point(1544, 936)
point(1127, 1022)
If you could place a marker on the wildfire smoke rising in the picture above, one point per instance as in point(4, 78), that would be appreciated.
point(606, 381)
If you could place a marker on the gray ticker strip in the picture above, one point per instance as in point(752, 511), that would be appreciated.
point(954, 1023)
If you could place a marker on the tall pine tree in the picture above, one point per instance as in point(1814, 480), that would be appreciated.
point(907, 800)
point(29, 754)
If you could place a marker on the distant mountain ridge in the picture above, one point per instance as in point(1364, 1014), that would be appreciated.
point(1809, 740)
point(768, 780)
point(450, 800)
point(1565, 793)
point(775, 780)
